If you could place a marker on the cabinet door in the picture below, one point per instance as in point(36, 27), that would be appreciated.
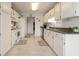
point(52, 12)
point(60, 47)
point(45, 35)
point(57, 11)
point(56, 45)
point(13, 37)
point(6, 6)
point(67, 9)
point(71, 45)
point(5, 32)
point(76, 9)
point(51, 39)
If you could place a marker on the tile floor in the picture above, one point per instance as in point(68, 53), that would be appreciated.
point(31, 48)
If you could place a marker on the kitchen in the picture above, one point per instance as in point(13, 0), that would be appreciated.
point(53, 25)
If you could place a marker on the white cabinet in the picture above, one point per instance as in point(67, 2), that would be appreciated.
point(46, 17)
point(57, 11)
point(49, 15)
point(63, 10)
point(71, 45)
point(49, 37)
point(58, 43)
point(67, 9)
point(5, 27)
point(15, 14)
point(13, 37)
point(55, 41)
point(62, 44)
point(6, 7)
point(52, 12)
point(76, 8)
point(5, 32)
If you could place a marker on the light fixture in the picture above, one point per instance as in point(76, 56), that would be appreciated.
point(52, 20)
point(34, 6)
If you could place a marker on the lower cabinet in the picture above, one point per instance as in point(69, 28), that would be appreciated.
point(60, 47)
point(55, 45)
point(48, 36)
point(13, 36)
point(54, 40)
point(62, 44)
point(58, 43)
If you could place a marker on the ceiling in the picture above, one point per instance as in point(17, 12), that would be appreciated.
point(25, 7)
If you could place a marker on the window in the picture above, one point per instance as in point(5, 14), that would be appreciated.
point(52, 20)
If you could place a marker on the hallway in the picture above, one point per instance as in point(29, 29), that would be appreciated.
point(31, 48)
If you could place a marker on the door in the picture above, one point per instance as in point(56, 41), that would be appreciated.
point(34, 25)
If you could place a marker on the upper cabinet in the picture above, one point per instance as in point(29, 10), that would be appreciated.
point(63, 10)
point(46, 17)
point(67, 9)
point(57, 11)
point(14, 14)
point(6, 7)
point(49, 15)
point(76, 8)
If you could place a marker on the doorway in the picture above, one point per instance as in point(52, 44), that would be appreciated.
point(33, 25)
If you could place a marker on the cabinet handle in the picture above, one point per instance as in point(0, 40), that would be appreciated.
point(0, 34)
point(64, 43)
point(56, 34)
point(75, 12)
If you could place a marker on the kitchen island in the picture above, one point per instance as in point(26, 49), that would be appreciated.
point(62, 42)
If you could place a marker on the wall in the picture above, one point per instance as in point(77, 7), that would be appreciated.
point(30, 25)
point(71, 22)
point(38, 31)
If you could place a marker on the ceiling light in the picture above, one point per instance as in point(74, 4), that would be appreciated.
point(34, 6)
point(52, 20)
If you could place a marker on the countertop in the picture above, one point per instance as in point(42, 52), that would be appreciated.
point(61, 30)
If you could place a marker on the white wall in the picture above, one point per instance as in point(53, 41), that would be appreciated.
point(38, 31)
point(29, 22)
point(71, 22)
point(30, 25)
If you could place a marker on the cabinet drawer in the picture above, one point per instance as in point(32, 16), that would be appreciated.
point(59, 35)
